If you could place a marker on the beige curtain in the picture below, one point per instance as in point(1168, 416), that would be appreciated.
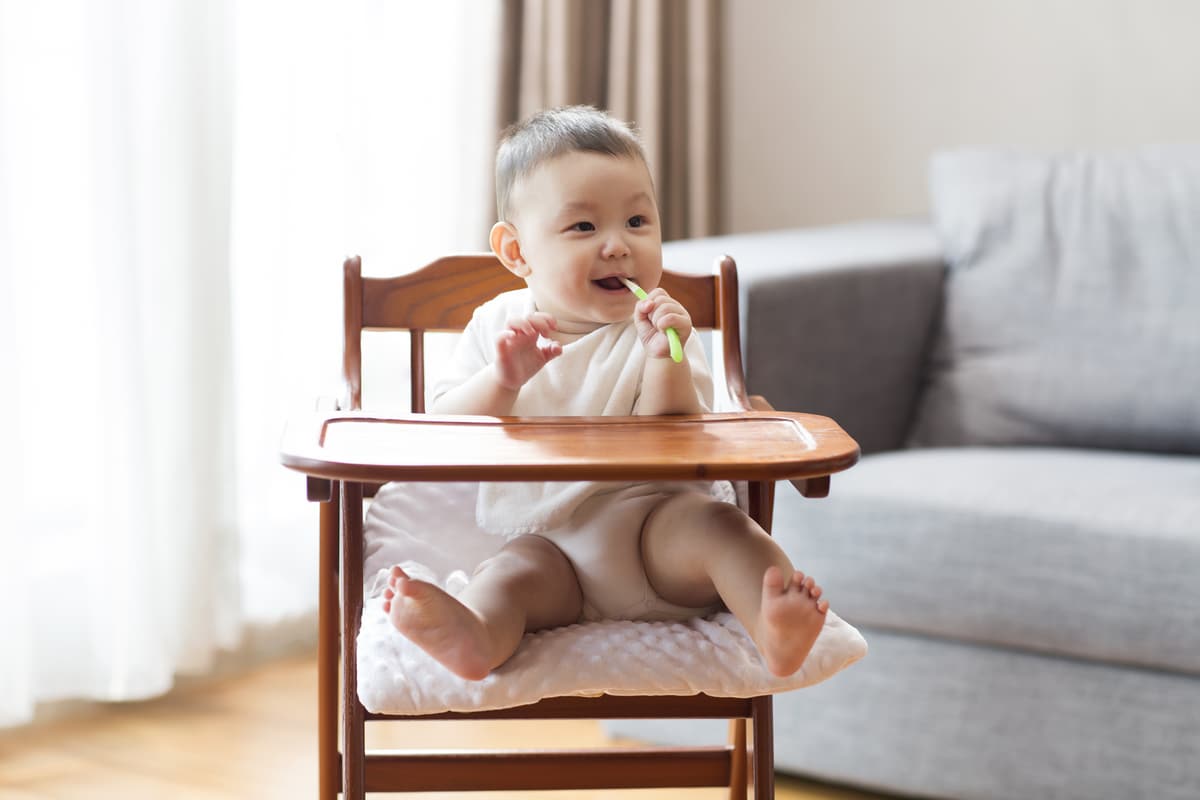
point(655, 63)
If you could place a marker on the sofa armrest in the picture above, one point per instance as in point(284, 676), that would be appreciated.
point(835, 320)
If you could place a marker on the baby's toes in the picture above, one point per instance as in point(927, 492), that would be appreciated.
point(773, 580)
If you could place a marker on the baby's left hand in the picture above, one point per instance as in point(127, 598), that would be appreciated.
point(654, 315)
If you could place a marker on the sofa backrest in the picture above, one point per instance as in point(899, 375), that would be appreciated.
point(1072, 303)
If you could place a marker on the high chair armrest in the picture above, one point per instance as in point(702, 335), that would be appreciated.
point(809, 487)
point(320, 490)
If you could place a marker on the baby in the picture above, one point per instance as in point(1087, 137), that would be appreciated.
point(577, 213)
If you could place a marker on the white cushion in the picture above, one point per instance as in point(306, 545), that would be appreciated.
point(711, 655)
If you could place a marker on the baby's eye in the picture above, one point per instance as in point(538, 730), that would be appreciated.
point(637, 221)
point(583, 226)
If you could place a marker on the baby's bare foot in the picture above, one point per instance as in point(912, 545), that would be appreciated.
point(790, 619)
point(438, 624)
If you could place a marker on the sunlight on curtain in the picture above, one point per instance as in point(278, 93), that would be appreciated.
point(179, 182)
point(362, 128)
point(116, 172)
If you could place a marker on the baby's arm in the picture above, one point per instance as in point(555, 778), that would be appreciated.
point(667, 387)
point(493, 390)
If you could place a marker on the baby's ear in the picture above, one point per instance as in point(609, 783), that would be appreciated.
point(507, 248)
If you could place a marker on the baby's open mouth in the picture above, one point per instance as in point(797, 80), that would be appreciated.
point(612, 283)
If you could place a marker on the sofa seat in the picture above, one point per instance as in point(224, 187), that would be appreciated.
point(985, 544)
point(970, 722)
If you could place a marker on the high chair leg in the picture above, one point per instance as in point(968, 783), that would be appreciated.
point(738, 776)
point(328, 768)
point(353, 717)
point(764, 748)
point(762, 499)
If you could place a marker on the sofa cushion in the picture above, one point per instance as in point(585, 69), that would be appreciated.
point(937, 719)
point(1080, 553)
point(1072, 307)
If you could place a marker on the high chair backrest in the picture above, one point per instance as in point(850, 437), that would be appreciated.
point(442, 296)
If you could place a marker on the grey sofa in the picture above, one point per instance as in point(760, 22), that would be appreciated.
point(1020, 543)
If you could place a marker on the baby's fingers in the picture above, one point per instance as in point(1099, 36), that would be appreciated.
point(659, 299)
point(520, 328)
point(668, 313)
point(542, 322)
point(539, 323)
point(508, 341)
point(671, 319)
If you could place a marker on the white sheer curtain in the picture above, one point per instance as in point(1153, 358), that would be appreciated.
point(179, 182)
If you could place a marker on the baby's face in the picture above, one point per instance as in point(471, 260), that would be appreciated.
point(584, 220)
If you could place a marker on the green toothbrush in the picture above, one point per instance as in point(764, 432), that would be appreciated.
point(672, 335)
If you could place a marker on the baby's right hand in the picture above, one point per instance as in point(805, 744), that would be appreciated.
point(519, 355)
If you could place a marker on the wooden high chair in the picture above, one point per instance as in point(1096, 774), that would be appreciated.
point(347, 453)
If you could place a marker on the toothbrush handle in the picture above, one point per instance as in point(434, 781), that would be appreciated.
point(672, 334)
point(676, 346)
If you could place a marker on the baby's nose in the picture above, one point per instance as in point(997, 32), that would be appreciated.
point(615, 247)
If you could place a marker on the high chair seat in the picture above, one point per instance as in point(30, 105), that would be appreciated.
point(711, 655)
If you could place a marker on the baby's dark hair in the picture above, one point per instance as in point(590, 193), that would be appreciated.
point(558, 131)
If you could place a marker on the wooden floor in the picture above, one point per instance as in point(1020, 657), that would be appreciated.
point(253, 736)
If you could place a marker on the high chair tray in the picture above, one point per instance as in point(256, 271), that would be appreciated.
point(751, 445)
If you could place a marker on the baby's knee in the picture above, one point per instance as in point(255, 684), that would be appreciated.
point(730, 527)
point(696, 526)
point(532, 554)
point(705, 511)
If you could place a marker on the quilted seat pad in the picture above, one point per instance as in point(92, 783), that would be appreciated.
point(429, 528)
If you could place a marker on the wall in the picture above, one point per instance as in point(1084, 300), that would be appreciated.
point(835, 105)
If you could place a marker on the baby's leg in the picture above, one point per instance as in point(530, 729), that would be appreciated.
point(697, 549)
point(527, 586)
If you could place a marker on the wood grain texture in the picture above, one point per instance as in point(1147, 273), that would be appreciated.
point(744, 446)
point(442, 295)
